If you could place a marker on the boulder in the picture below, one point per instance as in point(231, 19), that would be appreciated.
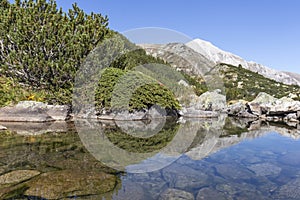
point(264, 98)
point(284, 106)
point(240, 109)
point(2, 128)
point(292, 117)
point(209, 101)
point(15, 114)
point(194, 113)
point(236, 108)
point(58, 112)
point(32, 111)
point(274, 109)
point(155, 112)
point(31, 128)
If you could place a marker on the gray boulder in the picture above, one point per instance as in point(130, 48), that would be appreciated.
point(207, 105)
point(2, 128)
point(155, 112)
point(240, 109)
point(209, 101)
point(194, 113)
point(274, 109)
point(31, 128)
point(32, 111)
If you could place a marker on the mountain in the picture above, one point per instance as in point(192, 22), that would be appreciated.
point(216, 55)
point(234, 78)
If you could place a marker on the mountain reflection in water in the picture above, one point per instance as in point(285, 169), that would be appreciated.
point(222, 158)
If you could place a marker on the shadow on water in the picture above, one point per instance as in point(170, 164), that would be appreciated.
point(223, 158)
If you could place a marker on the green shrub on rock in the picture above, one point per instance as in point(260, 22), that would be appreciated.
point(122, 90)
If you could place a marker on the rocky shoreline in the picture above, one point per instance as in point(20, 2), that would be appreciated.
point(209, 105)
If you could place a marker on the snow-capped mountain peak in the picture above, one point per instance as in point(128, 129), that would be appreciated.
point(217, 55)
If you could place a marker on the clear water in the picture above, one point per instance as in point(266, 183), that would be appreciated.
point(192, 159)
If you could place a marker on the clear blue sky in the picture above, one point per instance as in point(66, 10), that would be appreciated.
point(265, 31)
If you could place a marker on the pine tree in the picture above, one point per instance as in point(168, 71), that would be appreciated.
point(42, 46)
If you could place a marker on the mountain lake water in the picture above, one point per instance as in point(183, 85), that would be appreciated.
point(217, 159)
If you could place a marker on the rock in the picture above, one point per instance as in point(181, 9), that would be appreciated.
point(265, 169)
point(259, 105)
point(58, 112)
point(184, 177)
point(275, 109)
point(32, 111)
point(239, 109)
point(155, 112)
point(193, 113)
point(2, 128)
point(209, 101)
point(68, 183)
point(210, 193)
point(17, 176)
point(264, 98)
point(130, 191)
point(247, 115)
point(86, 112)
point(127, 116)
point(236, 108)
point(31, 128)
point(292, 117)
point(289, 190)
point(17, 114)
point(255, 108)
point(234, 172)
point(284, 108)
point(170, 194)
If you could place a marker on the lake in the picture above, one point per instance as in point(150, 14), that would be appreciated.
point(222, 158)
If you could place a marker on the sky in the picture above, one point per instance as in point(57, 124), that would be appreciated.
point(264, 31)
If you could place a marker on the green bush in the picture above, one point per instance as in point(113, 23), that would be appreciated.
point(123, 90)
point(42, 46)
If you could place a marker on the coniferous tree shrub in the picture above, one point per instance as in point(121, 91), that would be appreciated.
point(42, 46)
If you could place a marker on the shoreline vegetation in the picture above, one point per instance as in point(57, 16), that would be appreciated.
point(42, 49)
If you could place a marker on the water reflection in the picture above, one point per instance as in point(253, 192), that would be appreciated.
point(222, 158)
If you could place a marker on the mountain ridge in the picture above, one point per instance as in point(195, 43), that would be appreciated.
point(218, 55)
point(233, 80)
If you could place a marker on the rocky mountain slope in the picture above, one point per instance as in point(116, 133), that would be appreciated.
point(237, 81)
point(216, 55)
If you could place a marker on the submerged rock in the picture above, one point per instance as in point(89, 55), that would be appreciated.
point(67, 183)
point(210, 193)
point(265, 169)
point(289, 190)
point(170, 194)
point(17, 176)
